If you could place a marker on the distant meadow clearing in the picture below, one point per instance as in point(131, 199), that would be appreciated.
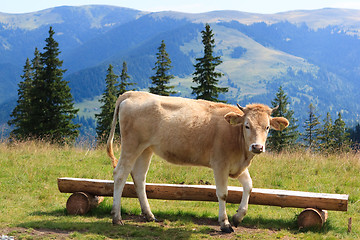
point(31, 206)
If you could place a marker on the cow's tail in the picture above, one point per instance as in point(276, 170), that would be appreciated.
point(109, 147)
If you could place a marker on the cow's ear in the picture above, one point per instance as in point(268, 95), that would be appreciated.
point(279, 123)
point(233, 118)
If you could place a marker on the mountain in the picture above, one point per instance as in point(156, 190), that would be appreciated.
point(314, 54)
point(21, 33)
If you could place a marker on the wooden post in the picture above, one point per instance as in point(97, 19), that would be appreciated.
point(80, 203)
point(281, 198)
point(349, 225)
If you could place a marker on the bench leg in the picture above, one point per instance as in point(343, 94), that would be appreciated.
point(311, 217)
point(79, 203)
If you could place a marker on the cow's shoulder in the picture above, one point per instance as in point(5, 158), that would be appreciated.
point(218, 108)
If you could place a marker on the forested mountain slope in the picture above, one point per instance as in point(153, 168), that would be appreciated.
point(314, 55)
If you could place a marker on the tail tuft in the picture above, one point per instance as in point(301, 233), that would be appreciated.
point(110, 152)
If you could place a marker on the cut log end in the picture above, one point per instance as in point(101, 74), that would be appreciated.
point(79, 203)
point(312, 218)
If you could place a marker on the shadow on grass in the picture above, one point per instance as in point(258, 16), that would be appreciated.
point(279, 224)
point(268, 223)
point(131, 229)
point(177, 224)
point(98, 222)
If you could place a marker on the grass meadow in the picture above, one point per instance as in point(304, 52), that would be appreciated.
point(31, 207)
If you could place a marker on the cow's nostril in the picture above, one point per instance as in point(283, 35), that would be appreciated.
point(257, 148)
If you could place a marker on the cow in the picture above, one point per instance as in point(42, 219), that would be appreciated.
point(192, 132)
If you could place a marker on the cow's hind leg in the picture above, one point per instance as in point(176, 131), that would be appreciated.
point(121, 172)
point(139, 176)
point(221, 181)
point(246, 182)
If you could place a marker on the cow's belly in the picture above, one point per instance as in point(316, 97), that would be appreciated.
point(193, 157)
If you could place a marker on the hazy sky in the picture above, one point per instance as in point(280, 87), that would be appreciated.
point(190, 6)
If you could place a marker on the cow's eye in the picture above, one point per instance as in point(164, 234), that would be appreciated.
point(247, 127)
point(267, 128)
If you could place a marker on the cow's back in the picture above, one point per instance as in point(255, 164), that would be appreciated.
point(180, 130)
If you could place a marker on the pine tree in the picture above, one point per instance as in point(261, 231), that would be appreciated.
point(280, 140)
point(325, 134)
point(161, 77)
point(355, 134)
point(124, 84)
point(51, 109)
point(22, 119)
point(108, 100)
point(37, 67)
point(20, 114)
point(56, 103)
point(340, 135)
point(205, 75)
point(311, 128)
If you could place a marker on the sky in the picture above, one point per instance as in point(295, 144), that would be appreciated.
point(189, 6)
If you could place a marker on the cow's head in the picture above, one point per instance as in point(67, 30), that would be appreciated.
point(256, 122)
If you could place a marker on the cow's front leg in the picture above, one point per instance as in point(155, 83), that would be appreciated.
point(246, 182)
point(221, 181)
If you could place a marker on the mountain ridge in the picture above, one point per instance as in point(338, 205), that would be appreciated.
point(330, 16)
point(57, 14)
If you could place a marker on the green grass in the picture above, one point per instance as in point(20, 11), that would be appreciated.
point(31, 207)
point(88, 108)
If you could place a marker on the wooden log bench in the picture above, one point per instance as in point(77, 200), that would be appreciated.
point(88, 193)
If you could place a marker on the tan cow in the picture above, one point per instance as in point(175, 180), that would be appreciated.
point(188, 132)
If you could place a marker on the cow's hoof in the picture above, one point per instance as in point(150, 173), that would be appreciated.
point(238, 217)
point(117, 222)
point(236, 223)
point(150, 218)
point(227, 229)
point(236, 220)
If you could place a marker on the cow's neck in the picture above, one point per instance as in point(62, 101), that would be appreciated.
point(243, 158)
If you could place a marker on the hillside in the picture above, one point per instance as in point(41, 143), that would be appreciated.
point(74, 26)
point(313, 54)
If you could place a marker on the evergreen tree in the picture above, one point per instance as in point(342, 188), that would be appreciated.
point(20, 114)
point(340, 135)
point(51, 108)
point(355, 134)
point(325, 134)
point(280, 140)
point(53, 100)
point(161, 77)
point(124, 84)
point(108, 100)
point(205, 75)
point(311, 128)
point(36, 65)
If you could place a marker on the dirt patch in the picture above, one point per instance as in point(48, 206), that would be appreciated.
point(212, 224)
point(35, 233)
point(216, 233)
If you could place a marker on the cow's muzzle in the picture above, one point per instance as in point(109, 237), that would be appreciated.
point(257, 148)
